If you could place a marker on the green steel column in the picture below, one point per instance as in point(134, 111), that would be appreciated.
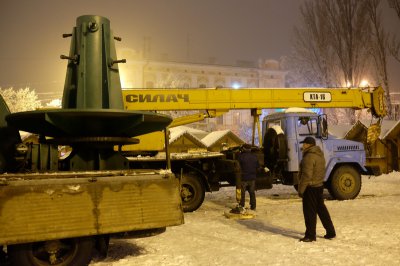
point(92, 80)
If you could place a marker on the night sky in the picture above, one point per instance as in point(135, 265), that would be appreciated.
point(185, 30)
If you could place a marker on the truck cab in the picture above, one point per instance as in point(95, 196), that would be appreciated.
point(345, 159)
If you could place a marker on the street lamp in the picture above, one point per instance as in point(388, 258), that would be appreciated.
point(364, 83)
point(236, 85)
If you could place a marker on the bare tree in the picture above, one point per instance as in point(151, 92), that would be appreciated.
point(331, 43)
point(379, 49)
point(311, 60)
point(394, 46)
point(395, 4)
point(19, 100)
point(312, 42)
point(349, 31)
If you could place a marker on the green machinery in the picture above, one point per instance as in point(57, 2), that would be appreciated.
point(92, 118)
point(55, 211)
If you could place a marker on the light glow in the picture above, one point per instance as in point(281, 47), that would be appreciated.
point(236, 85)
point(364, 83)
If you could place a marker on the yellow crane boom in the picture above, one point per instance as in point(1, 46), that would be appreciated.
point(254, 98)
point(216, 101)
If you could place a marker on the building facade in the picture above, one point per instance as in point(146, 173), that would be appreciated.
point(141, 73)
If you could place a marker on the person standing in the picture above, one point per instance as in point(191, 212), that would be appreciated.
point(248, 166)
point(310, 189)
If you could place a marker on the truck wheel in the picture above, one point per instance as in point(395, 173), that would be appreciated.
point(101, 244)
point(64, 252)
point(192, 192)
point(3, 164)
point(345, 183)
point(3, 256)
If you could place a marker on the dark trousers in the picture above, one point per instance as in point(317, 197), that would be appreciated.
point(313, 204)
point(249, 185)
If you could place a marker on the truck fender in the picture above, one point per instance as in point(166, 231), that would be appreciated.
point(335, 161)
point(204, 177)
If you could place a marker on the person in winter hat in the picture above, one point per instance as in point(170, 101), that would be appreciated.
point(310, 189)
point(249, 166)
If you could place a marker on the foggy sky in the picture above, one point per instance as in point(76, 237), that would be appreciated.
point(185, 30)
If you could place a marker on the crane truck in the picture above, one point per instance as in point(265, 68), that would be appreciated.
point(281, 133)
point(56, 211)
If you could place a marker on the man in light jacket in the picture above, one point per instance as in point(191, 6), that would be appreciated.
point(310, 189)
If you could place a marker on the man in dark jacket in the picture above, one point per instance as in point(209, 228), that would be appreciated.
point(310, 188)
point(248, 165)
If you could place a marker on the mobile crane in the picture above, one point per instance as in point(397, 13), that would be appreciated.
point(202, 173)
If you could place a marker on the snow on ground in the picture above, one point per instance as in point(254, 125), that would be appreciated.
point(368, 232)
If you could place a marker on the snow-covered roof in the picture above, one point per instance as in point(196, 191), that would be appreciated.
point(386, 127)
point(177, 132)
point(174, 135)
point(214, 136)
point(194, 131)
point(393, 130)
point(339, 131)
point(190, 129)
point(24, 135)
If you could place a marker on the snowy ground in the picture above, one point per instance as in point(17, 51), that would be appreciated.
point(368, 230)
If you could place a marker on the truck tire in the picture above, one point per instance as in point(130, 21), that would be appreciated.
point(275, 148)
point(192, 192)
point(101, 245)
point(345, 183)
point(3, 164)
point(3, 257)
point(64, 252)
